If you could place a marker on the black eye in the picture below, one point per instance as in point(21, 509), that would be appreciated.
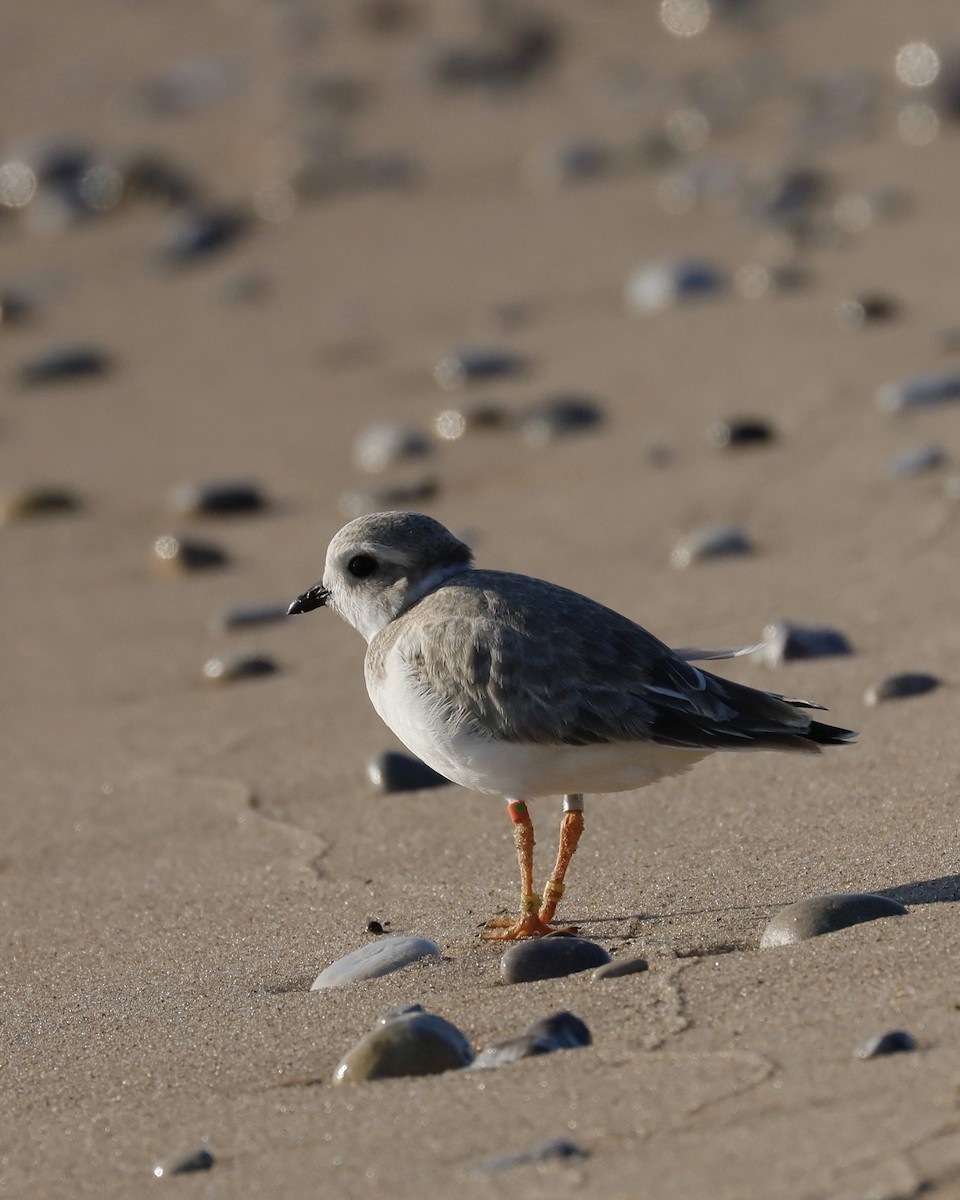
point(361, 565)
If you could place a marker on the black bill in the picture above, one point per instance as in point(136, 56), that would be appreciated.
point(315, 597)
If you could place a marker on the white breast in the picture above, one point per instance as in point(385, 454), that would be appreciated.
point(516, 770)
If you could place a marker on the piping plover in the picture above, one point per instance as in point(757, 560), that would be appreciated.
point(517, 687)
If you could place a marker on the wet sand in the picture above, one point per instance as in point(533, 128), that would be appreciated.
point(181, 859)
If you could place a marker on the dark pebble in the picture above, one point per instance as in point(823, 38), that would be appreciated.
point(826, 914)
point(389, 444)
point(152, 178)
point(16, 307)
point(245, 616)
point(560, 1031)
point(374, 926)
point(554, 1150)
point(662, 285)
point(896, 1041)
point(786, 642)
point(172, 555)
point(920, 391)
point(742, 431)
point(243, 666)
point(620, 967)
point(916, 461)
point(477, 364)
point(392, 771)
point(411, 1043)
point(184, 1164)
point(195, 235)
point(868, 309)
point(38, 502)
point(550, 958)
point(899, 687)
point(453, 423)
point(559, 417)
point(394, 495)
point(399, 1010)
point(225, 498)
point(64, 364)
point(712, 541)
point(572, 161)
point(505, 60)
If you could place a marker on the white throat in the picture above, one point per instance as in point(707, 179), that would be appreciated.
point(370, 614)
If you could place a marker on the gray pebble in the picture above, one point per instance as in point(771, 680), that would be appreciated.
point(245, 616)
point(620, 967)
point(554, 1150)
point(712, 541)
point(175, 555)
point(217, 499)
point(786, 642)
point(742, 431)
point(826, 914)
point(391, 771)
point(662, 285)
point(920, 391)
point(241, 666)
point(38, 502)
point(63, 364)
point(916, 460)
point(550, 958)
point(560, 1031)
point(410, 1043)
point(183, 1164)
point(896, 1041)
point(388, 444)
point(510, 57)
point(477, 364)
point(376, 959)
point(559, 417)
point(194, 235)
point(190, 85)
point(16, 306)
point(399, 1010)
point(899, 687)
point(574, 160)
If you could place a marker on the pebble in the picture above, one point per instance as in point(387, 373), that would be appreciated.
point(662, 285)
point(742, 431)
point(786, 642)
point(453, 423)
point(826, 914)
point(556, 1149)
point(244, 616)
point(405, 1043)
point(391, 771)
point(173, 555)
point(620, 967)
point(225, 498)
point(63, 364)
point(919, 391)
point(899, 687)
point(868, 309)
point(38, 502)
point(16, 307)
point(916, 460)
point(190, 85)
point(505, 61)
point(242, 666)
point(550, 958)
point(575, 160)
point(754, 281)
point(477, 364)
point(560, 1031)
point(374, 960)
point(896, 1041)
point(183, 1164)
point(195, 234)
point(711, 541)
point(389, 444)
point(394, 495)
point(560, 416)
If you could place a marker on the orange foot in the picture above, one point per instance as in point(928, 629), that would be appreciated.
point(505, 929)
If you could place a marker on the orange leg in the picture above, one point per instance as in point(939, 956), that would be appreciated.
point(529, 923)
point(571, 828)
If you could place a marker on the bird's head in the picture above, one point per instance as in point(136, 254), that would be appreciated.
point(378, 566)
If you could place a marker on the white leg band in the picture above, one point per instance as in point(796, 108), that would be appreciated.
point(573, 803)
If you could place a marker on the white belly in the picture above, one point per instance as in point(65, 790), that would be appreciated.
point(518, 770)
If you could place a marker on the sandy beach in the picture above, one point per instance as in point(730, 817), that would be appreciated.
point(182, 857)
